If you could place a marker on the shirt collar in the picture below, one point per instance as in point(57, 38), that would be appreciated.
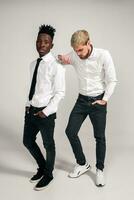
point(48, 57)
point(92, 53)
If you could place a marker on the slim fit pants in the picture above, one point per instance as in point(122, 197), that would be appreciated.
point(97, 114)
point(34, 124)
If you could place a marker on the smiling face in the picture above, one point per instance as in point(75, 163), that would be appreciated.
point(44, 44)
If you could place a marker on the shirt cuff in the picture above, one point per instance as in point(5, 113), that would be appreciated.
point(105, 98)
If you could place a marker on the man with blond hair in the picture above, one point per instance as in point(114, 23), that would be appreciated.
point(97, 79)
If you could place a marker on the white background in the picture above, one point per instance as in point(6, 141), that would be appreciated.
point(110, 24)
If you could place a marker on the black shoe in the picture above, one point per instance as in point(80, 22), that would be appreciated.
point(37, 176)
point(43, 182)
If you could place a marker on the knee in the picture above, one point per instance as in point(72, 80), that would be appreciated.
point(71, 134)
point(49, 146)
point(27, 143)
point(68, 132)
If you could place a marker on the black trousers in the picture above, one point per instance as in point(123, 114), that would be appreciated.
point(97, 115)
point(34, 124)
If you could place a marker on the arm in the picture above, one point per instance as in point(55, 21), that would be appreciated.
point(27, 104)
point(110, 76)
point(59, 91)
point(66, 59)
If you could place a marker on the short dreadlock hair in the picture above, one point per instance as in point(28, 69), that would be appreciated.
point(48, 29)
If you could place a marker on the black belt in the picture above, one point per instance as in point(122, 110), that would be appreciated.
point(36, 108)
point(91, 98)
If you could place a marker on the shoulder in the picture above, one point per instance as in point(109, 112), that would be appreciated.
point(103, 54)
point(58, 66)
point(55, 66)
point(32, 64)
point(100, 51)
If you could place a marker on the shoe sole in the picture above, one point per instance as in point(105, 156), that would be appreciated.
point(35, 181)
point(42, 188)
point(89, 168)
point(100, 185)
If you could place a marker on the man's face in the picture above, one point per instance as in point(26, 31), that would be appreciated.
point(83, 51)
point(44, 44)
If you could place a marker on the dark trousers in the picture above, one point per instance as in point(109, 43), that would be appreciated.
point(97, 115)
point(34, 124)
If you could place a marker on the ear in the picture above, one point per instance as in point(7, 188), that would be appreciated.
point(89, 43)
point(52, 45)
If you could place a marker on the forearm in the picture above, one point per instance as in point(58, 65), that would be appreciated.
point(59, 91)
point(52, 107)
point(109, 90)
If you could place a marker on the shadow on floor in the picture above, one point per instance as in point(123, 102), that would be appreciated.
point(68, 167)
point(63, 165)
point(13, 171)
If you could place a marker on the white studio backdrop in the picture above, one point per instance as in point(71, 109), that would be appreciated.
point(110, 24)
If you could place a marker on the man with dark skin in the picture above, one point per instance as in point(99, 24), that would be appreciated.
point(46, 90)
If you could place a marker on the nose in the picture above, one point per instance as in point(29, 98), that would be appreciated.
point(42, 44)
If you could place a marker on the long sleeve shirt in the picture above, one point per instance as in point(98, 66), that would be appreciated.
point(50, 84)
point(96, 74)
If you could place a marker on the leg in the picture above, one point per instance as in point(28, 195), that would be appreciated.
point(98, 119)
point(47, 132)
point(29, 137)
point(75, 121)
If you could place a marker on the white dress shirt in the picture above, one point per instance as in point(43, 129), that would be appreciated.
point(50, 84)
point(96, 74)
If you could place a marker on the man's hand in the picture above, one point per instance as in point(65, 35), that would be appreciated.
point(40, 114)
point(64, 59)
point(101, 102)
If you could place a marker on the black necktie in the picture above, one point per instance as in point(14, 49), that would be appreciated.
point(32, 89)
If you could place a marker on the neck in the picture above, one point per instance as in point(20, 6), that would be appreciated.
point(90, 50)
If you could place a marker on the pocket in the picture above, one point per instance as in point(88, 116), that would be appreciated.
point(100, 107)
point(26, 116)
point(81, 100)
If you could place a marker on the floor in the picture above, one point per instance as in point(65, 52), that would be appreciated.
point(16, 167)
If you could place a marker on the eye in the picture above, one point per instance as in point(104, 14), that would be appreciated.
point(46, 42)
point(38, 41)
